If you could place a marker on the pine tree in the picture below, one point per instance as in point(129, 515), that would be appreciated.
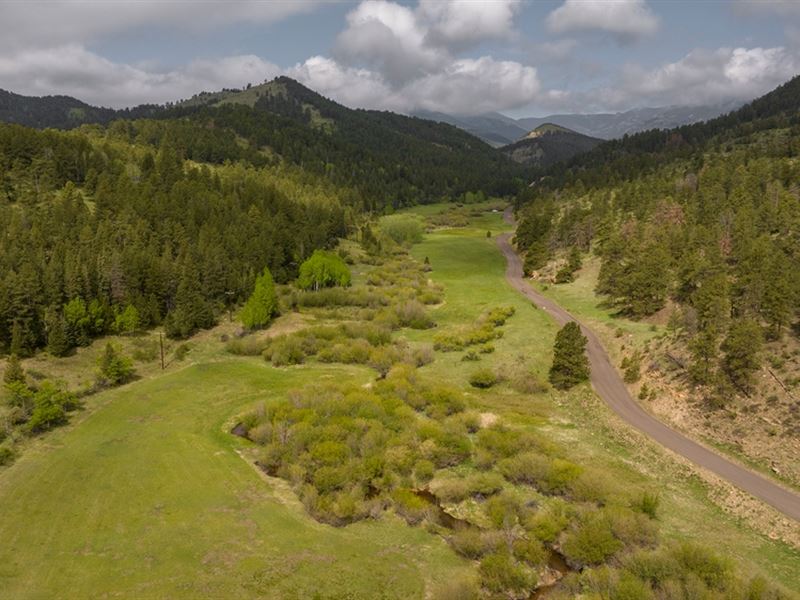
point(570, 364)
point(14, 372)
point(262, 304)
point(742, 348)
point(114, 368)
point(57, 340)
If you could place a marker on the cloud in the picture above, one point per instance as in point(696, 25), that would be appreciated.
point(466, 86)
point(781, 8)
point(391, 56)
point(388, 37)
point(473, 86)
point(75, 71)
point(703, 77)
point(462, 23)
point(350, 86)
point(34, 22)
point(626, 20)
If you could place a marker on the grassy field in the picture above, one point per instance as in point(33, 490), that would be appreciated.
point(148, 498)
point(472, 271)
point(145, 494)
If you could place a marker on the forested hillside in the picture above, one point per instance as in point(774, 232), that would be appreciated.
point(95, 226)
point(388, 159)
point(549, 144)
point(696, 228)
point(61, 112)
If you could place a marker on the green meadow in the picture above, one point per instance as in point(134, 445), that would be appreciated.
point(146, 494)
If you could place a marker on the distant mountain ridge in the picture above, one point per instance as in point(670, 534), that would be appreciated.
point(499, 130)
point(548, 144)
point(62, 112)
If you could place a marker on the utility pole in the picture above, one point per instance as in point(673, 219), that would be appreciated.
point(161, 343)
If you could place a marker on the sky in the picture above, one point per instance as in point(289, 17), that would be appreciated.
point(462, 57)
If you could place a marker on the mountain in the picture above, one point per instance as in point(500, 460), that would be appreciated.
point(500, 130)
point(615, 125)
point(493, 128)
point(549, 144)
point(390, 158)
point(61, 112)
point(385, 158)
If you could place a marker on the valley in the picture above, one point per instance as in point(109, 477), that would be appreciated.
point(201, 508)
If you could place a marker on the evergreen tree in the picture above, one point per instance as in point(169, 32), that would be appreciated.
point(57, 340)
point(742, 352)
point(114, 368)
point(262, 304)
point(14, 372)
point(570, 364)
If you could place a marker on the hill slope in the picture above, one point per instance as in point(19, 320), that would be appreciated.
point(388, 159)
point(696, 227)
point(549, 144)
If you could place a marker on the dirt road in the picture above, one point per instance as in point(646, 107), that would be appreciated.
point(610, 387)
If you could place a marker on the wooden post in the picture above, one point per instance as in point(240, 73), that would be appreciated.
point(161, 343)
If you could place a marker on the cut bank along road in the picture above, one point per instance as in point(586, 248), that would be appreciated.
point(613, 391)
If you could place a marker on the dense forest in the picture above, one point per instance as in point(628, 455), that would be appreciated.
point(168, 220)
point(386, 158)
point(94, 228)
point(702, 221)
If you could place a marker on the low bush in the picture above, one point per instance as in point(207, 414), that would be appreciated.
point(474, 543)
point(250, 345)
point(412, 313)
point(483, 378)
point(592, 542)
point(501, 574)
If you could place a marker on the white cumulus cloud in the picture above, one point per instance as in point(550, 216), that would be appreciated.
point(459, 23)
point(627, 20)
point(75, 71)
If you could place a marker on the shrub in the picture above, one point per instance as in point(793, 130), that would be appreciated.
point(50, 407)
point(470, 356)
point(483, 378)
point(14, 373)
point(706, 564)
point(285, 351)
point(403, 228)
point(7, 455)
point(423, 355)
point(410, 506)
point(500, 573)
point(247, 346)
point(592, 543)
point(413, 314)
point(547, 524)
point(528, 382)
point(631, 366)
point(502, 510)
point(474, 543)
point(530, 551)
point(127, 321)
point(181, 351)
point(114, 368)
point(647, 503)
point(423, 471)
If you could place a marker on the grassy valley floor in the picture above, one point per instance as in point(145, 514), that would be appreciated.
point(147, 494)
